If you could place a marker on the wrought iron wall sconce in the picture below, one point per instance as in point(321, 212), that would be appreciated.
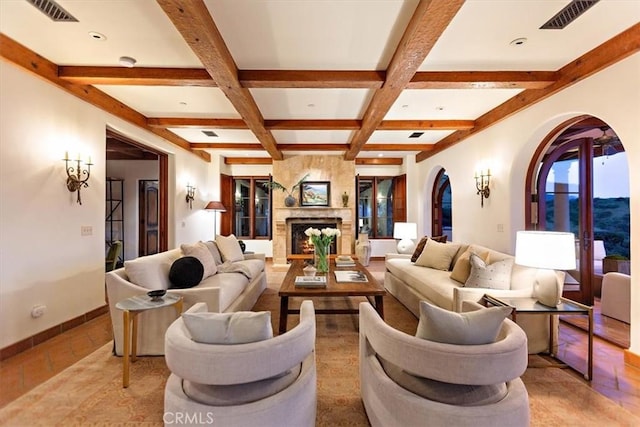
point(191, 192)
point(77, 177)
point(482, 185)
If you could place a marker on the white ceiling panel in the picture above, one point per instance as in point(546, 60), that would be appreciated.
point(224, 135)
point(311, 103)
point(479, 36)
point(174, 101)
point(312, 34)
point(443, 104)
point(399, 137)
point(136, 28)
point(312, 136)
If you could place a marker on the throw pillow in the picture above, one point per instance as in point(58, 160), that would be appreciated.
point(150, 272)
point(462, 267)
point(229, 248)
point(492, 276)
point(213, 248)
point(437, 255)
point(239, 327)
point(470, 328)
point(423, 241)
point(186, 272)
point(200, 251)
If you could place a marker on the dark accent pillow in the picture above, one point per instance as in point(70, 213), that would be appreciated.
point(422, 242)
point(186, 272)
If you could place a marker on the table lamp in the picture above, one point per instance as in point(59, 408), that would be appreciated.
point(405, 231)
point(548, 251)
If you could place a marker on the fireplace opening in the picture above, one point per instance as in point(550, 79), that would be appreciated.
point(300, 244)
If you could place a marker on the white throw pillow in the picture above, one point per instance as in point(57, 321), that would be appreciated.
point(239, 327)
point(150, 272)
point(470, 328)
point(437, 255)
point(201, 251)
point(492, 276)
point(229, 248)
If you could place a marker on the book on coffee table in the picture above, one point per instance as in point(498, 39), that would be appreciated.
point(344, 261)
point(311, 281)
point(350, 276)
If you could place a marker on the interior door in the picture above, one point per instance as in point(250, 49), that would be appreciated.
point(148, 217)
point(565, 188)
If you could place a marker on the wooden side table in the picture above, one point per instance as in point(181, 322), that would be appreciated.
point(131, 307)
point(566, 307)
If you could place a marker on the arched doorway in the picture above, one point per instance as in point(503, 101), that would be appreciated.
point(441, 223)
point(578, 182)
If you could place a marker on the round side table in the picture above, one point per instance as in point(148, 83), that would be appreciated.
point(131, 307)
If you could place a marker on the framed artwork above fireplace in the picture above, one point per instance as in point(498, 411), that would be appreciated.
point(315, 193)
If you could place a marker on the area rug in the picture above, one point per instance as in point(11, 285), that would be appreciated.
point(90, 392)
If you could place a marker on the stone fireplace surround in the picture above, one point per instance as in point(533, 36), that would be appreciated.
point(283, 218)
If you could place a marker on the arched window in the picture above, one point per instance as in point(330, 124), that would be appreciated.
point(441, 206)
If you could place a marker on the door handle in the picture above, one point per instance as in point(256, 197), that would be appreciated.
point(586, 240)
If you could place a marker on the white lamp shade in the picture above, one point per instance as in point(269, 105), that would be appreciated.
point(405, 230)
point(546, 249)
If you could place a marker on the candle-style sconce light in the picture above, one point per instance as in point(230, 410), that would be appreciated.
point(191, 193)
point(482, 185)
point(77, 177)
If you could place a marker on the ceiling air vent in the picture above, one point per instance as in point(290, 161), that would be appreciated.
point(210, 133)
point(53, 10)
point(568, 14)
point(416, 135)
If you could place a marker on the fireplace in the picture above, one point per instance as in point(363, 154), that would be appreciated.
point(300, 244)
point(317, 217)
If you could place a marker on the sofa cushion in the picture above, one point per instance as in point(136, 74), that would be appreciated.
point(215, 252)
point(229, 248)
point(462, 267)
point(239, 327)
point(491, 276)
point(240, 394)
point(151, 271)
point(200, 251)
point(185, 272)
point(437, 255)
point(423, 241)
point(470, 328)
point(447, 393)
point(231, 285)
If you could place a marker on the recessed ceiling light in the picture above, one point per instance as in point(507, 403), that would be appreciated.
point(127, 61)
point(405, 105)
point(97, 36)
point(518, 42)
point(380, 155)
point(440, 108)
point(182, 103)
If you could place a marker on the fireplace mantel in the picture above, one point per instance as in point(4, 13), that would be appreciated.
point(281, 215)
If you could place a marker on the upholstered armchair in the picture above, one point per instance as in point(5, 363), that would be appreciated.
point(616, 296)
point(264, 383)
point(489, 374)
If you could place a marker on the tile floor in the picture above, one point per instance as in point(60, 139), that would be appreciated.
point(22, 372)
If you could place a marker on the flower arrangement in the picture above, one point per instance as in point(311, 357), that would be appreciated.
point(321, 240)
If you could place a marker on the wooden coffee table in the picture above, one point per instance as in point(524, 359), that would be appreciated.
point(370, 289)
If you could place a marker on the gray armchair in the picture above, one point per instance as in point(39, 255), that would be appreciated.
point(472, 385)
point(264, 383)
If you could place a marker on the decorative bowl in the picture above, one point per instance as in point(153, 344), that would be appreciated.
point(309, 270)
point(157, 294)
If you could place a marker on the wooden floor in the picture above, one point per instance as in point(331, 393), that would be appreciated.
point(23, 372)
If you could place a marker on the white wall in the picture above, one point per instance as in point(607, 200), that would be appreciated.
point(43, 257)
point(612, 95)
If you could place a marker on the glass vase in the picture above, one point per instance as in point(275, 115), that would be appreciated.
point(321, 258)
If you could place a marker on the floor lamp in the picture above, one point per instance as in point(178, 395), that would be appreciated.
point(215, 207)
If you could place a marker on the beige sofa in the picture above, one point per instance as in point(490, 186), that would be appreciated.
point(411, 283)
point(222, 292)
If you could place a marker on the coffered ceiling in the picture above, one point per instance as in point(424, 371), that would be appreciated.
point(268, 78)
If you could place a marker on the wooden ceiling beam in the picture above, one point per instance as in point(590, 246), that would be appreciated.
point(287, 79)
point(194, 22)
point(248, 160)
point(616, 49)
point(139, 76)
point(389, 161)
point(14, 52)
point(482, 80)
point(194, 122)
point(429, 20)
point(410, 125)
point(310, 147)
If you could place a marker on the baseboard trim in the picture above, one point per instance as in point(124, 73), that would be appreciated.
point(632, 359)
point(41, 337)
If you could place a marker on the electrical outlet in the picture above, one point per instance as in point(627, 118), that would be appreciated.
point(500, 228)
point(38, 310)
point(86, 230)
